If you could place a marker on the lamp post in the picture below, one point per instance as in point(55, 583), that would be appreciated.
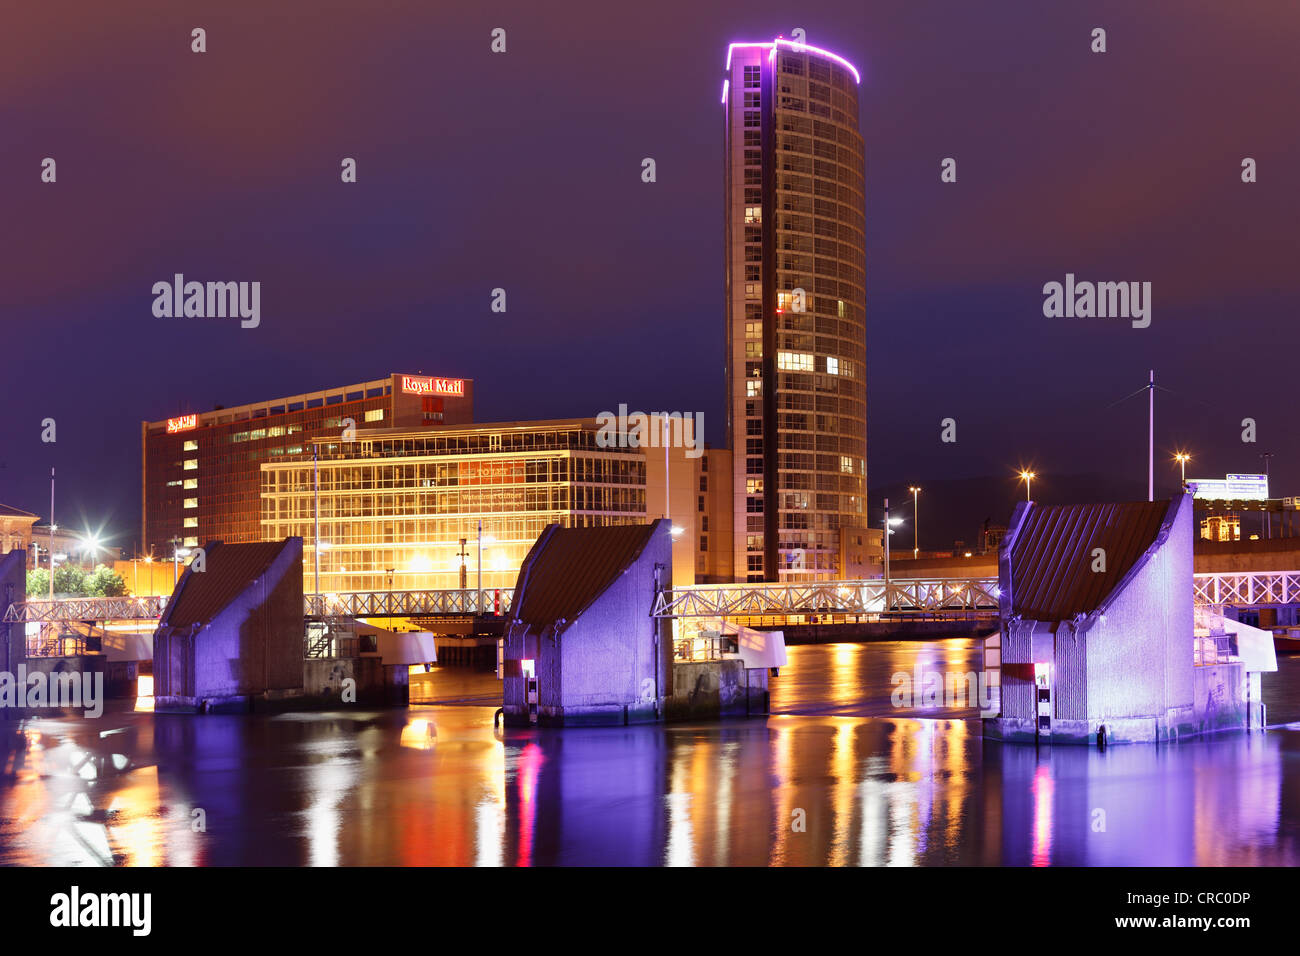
point(916, 522)
point(478, 597)
point(1183, 458)
point(315, 540)
point(889, 523)
point(1268, 517)
point(1028, 477)
point(886, 553)
point(52, 527)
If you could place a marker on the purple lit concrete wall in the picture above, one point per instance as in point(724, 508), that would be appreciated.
point(13, 590)
point(1127, 666)
point(606, 660)
point(1139, 648)
point(253, 647)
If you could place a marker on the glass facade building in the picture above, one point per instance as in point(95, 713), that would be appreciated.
point(795, 315)
point(400, 509)
point(200, 470)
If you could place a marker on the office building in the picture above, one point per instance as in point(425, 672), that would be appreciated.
point(200, 470)
point(400, 508)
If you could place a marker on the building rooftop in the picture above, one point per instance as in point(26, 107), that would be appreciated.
point(8, 512)
point(1052, 554)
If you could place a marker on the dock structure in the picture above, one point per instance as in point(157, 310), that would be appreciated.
point(583, 646)
point(232, 631)
point(1099, 641)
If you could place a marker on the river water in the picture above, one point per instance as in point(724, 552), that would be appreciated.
point(836, 776)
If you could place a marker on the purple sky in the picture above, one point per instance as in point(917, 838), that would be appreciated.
point(522, 171)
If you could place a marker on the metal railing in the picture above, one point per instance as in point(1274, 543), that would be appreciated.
point(68, 610)
point(912, 596)
point(452, 602)
point(1248, 588)
point(936, 596)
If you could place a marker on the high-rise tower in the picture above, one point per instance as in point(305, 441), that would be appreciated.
point(795, 313)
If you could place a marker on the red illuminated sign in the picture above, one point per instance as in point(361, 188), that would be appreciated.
point(182, 424)
point(420, 385)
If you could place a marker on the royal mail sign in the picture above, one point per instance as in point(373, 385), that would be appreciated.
point(422, 385)
point(182, 424)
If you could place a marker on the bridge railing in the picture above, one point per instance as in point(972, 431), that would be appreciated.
point(913, 595)
point(67, 610)
point(452, 602)
point(1247, 588)
point(907, 595)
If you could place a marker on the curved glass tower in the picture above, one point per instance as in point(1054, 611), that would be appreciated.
point(795, 313)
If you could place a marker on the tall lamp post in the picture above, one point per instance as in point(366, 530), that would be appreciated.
point(1183, 458)
point(889, 523)
point(886, 552)
point(1268, 517)
point(916, 522)
point(1028, 477)
point(52, 528)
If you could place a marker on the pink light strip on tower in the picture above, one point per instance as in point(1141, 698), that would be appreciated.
point(800, 47)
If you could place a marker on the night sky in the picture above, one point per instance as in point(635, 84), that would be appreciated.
point(522, 171)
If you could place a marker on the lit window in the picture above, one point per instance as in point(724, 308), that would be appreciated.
point(191, 502)
point(191, 483)
point(846, 464)
point(753, 214)
point(375, 415)
point(794, 361)
point(832, 365)
point(190, 543)
point(191, 445)
point(191, 464)
point(753, 388)
point(191, 522)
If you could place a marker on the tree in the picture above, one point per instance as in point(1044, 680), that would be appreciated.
point(38, 583)
point(69, 579)
point(104, 582)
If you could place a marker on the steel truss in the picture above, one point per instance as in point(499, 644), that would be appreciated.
point(939, 596)
point(68, 610)
point(1249, 588)
point(452, 602)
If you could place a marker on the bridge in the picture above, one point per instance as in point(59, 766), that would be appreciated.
point(928, 596)
point(933, 597)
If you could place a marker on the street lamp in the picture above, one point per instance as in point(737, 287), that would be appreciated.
point(889, 523)
point(1027, 477)
point(1183, 458)
point(916, 523)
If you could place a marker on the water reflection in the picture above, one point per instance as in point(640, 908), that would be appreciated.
point(834, 779)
